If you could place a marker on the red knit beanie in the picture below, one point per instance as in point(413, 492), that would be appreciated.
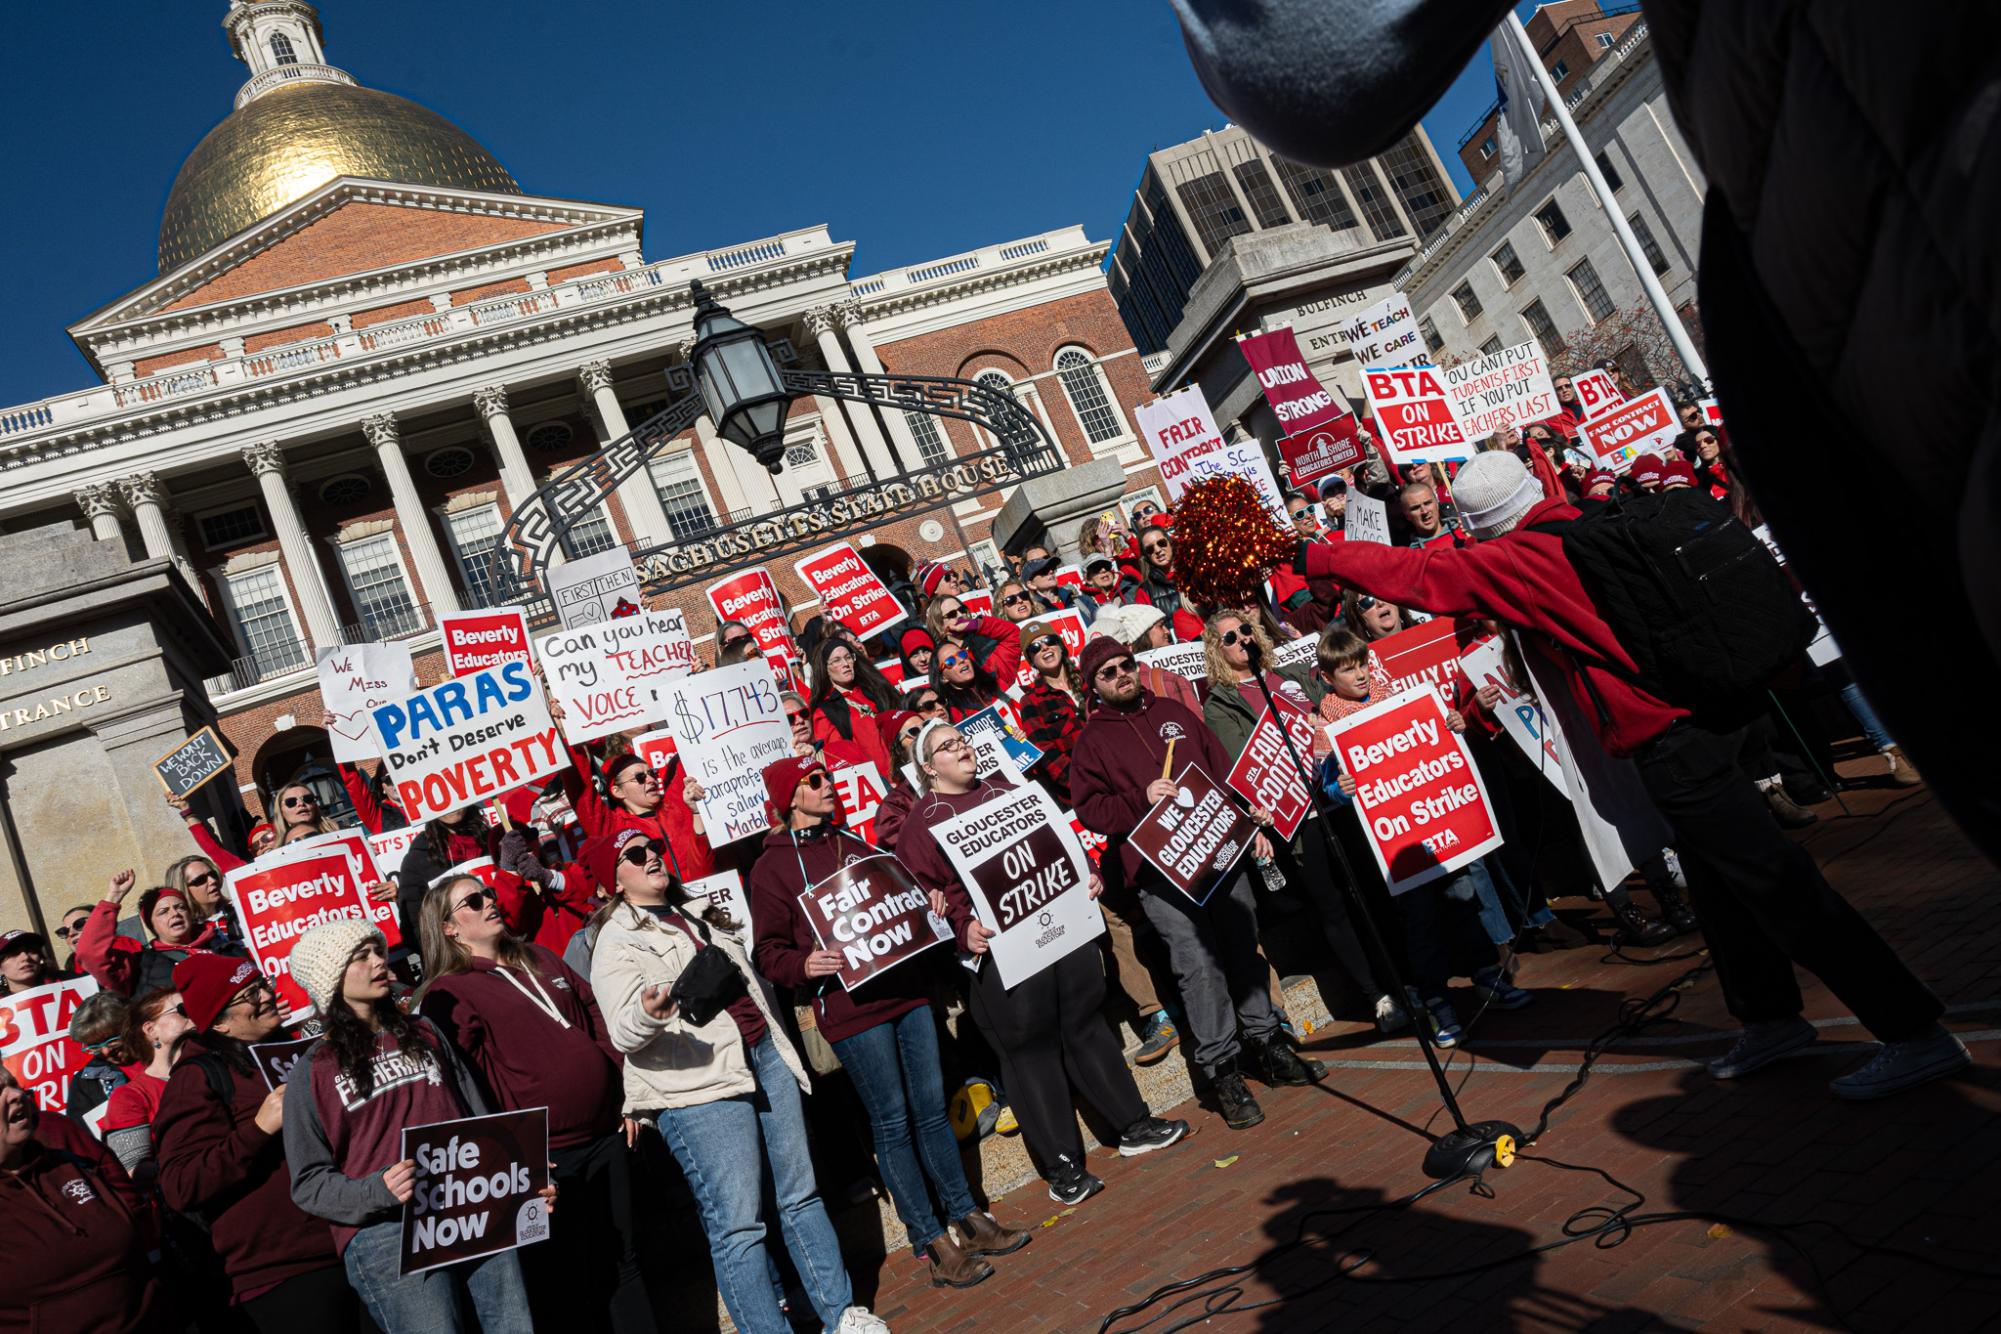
point(206, 983)
point(781, 781)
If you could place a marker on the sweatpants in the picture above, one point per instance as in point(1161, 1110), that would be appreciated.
point(1223, 980)
point(1051, 1038)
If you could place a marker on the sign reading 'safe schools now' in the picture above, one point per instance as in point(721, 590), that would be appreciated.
point(462, 741)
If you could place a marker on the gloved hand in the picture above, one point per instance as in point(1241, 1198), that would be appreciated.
point(708, 984)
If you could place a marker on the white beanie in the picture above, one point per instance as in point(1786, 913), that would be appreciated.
point(1494, 491)
point(1140, 617)
point(1111, 623)
point(320, 957)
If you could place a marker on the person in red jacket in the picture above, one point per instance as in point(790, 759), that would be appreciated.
point(638, 799)
point(839, 711)
point(1762, 901)
point(529, 1026)
point(122, 964)
point(76, 1229)
point(882, 1031)
point(964, 685)
point(220, 1154)
point(995, 642)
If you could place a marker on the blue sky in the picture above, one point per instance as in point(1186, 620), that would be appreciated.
point(914, 129)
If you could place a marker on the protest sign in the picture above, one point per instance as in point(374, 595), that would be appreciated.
point(460, 742)
point(1320, 453)
point(184, 769)
point(354, 679)
point(276, 1059)
point(35, 1044)
point(1366, 519)
point(594, 589)
point(474, 640)
point(1596, 391)
point(727, 725)
point(276, 904)
point(1642, 425)
point(608, 677)
point(980, 602)
point(874, 916)
point(388, 848)
point(1067, 576)
point(1181, 433)
point(482, 869)
point(1420, 800)
point(723, 890)
point(478, 1189)
point(657, 748)
point(1384, 334)
point(1520, 716)
point(891, 669)
point(861, 789)
point(1267, 776)
point(1410, 406)
point(751, 600)
point(1184, 660)
point(1823, 649)
point(1301, 652)
point(1028, 878)
point(1511, 387)
point(1298, 399)
point(996, 728)
point(352, 841)
point(1094, 844)
point(1425, 654)
point(1194, 837)
point(849, 591)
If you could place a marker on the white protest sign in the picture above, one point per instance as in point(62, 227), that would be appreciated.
point(1512, 387)
point(389, 847)
point(609, 676)
point(1184, 660)
point(728, 725)
point(354, 678)
point(1384, 334)
point(1410, 407)
point(1028, 878)
point(1596, 391)
point(595, 588)
point(1180, 432)
point(1300, 652)
point(465, 740)
point(1367, 519)
point(1520, 715)
point(724, 889)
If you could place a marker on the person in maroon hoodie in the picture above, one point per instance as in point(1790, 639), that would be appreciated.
point(1762, 901)
point(530, 1028)
point(1047, 1029)
point(883, 1032)
point(220, 1155)
point(76, 1230)
point(900, 728)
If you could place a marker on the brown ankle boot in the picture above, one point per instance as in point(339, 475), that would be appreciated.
point(981, 1235)
point(952, 1267)
point(1902, 772)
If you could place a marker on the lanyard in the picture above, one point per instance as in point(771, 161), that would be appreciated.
point(538, 997)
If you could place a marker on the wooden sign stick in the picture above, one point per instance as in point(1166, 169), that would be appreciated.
point(1167, 766)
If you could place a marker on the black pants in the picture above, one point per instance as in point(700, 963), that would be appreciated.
point(317, 1302)
point(1051, 1037)
point(587, 1275)
point(1309, 863)
point(1763, 902)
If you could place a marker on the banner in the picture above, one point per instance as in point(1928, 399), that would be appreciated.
point(1384, 334)
point(1596, 391)
point(849, 591)
point(1194, 837)
point(354, 679)
point(1518, 713)
point(275, 905)
point(1265, 774)
point(874, 916)
point(594, 589)
point(1511, 387)
point(1028, 878)
point(184, 769)
point(35, 1044)
point(461, 742)
point(751, 600)
point(1366, 519)
point(608, 677)
point(727, 725)
point(1298, 399)
point(1189, 661)
point(724, 890)
point(860, 788)
point(1322, 452)
point(1643, 425)
point(475, 640)
point(1426, 654)
point(276, 1059)
point(992, 731)
point(478, 1189)
point(1421, 801)
point(1181, 434)
point(1410, 406)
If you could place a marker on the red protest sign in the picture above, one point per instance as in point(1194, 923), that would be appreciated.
point(275, 905)
point(656, 748)
point(1425, 654)
point(873, 915)
point(1596, 391)
point(1642, 425)
point(1420, 799)
point(1323, 452)
point(1298, 399)
point(473, 640)
point(1266, 776)
point(478, 1189)
point(751, 599)
point(861, 789)
point(980, 602)
point(1195, 836)
point(1410, 405)
point(360, 849)
point(35, 1044)
point(849, 590)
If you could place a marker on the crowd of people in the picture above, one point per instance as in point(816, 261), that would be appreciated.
point(678, 1048)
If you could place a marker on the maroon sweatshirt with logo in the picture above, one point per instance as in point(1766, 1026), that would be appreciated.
point(76, 1247)
point(1119, 753)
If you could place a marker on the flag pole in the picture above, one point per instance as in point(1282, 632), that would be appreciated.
point(1684, 346)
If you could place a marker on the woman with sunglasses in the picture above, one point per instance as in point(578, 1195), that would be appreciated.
point(153, 1029)
point(1372, 618)
point(838, 710)
point(450, 840)
point(1015, 602)
point(996, 643)
point(531, 1028)
point(1157, 588)
point(882, 1031)
point(709, 1063)
point(1052, 705)
point(964, 686)
point(657, 803)
point(901, 727)
point(201, 880)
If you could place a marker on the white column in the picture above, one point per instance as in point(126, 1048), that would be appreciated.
point(516, 478)
point(871, 364)
point(433, 574)
point(821, 324)
point(99, 503)
point(641, 502)
point(267, 462)
point(146, 497)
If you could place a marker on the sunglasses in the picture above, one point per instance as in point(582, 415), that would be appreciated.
point(291, 802)
point(908, 736)
point(1042, 642)
point(1152, 547)
point(65, 932)
point(814, 781)
point(951, 613)
point(1364, 603)
point(795, 715)
point(926, 705)
point(477, 901)
point(637, 853)
point(1116, 668)
point(205, 878)
point(1016, 597)
point(1232, 638)
point(952, 659)
point(734, 640)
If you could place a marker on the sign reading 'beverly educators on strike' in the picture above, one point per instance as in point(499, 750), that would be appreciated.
point(751, 600)
point(849, 591)
point(474, 640)
point(873, 916)
point(1420, 799)
point(35, 1044)
point(1195, 836)
point(478, 1188)
point(460, 742)
point(1028, 877)
point(275, 905)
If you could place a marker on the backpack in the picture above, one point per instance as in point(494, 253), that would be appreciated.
point(1707, 615)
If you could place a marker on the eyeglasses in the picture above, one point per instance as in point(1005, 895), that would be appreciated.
point(1116, 668)
point(477, 901)
point(1017, 597)
point(814, 781)
point(637, 853)
point(1231, 638)
point(307, 800)
point(250, 995)
point(1041, 642)
point(1364, 603)
point(951, 745)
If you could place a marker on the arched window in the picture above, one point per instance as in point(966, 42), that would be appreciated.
point(1084, 385)
point(281, 49)
point(993, 379)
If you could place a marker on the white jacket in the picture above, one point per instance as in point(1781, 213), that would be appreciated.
point(671, 1062)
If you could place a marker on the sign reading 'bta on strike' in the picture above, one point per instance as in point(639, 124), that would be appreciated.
point(1417, 422)
point(1419, 796)
point(35, 1044)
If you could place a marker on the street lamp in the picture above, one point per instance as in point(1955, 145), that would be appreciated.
point(739, 382)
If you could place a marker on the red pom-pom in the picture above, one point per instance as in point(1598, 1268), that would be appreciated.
point(1225, 542)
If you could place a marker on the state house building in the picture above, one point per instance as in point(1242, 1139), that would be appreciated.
point(367, 343)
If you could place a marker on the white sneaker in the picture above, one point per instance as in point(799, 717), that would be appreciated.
point(859, 1320)
point(1902, 1065)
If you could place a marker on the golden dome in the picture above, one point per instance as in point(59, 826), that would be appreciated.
point(288, 142)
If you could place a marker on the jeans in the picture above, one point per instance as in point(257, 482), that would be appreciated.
point(1442, 933)
point(1872, 726)
point(1763, 902)
point(894, 1069)
point(429, 1303)
point(728, 1149)
point(1214, 951)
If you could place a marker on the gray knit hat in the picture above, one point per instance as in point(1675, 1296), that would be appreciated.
point(1493, 491)
point(321, 956)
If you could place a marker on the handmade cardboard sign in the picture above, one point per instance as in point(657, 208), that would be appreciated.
point(608, 677)
point(594, 589)
point(478, 1189)
point(849, 591)
point(724, 890)
point(1521, 717)
point(1181, 433)
point(1196, 836)
point(184, 769)
point(1384, 334)
point(35, 1044)
point(1420, 798)
point(388, 848)
point(1028, 878)
point(874, 916)
point(354, 679)
point(1367, 519)
point(474, 640)
point(461, 742)
point(1511, 387)
point(728, 724)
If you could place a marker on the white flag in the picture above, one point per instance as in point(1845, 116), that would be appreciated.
point(1520, 92)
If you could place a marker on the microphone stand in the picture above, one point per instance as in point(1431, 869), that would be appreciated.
point(1470, 1147)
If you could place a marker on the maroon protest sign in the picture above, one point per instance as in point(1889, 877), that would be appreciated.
point(1195, 836)
point(1419, 797)
point(849, 590)
point(873, 915)
point(1266, 776)
point(35, 1044)
point(276, 1059)
point(1301, 403)
point(1323, 452)
point(275, 905)
point(475, 640)
point(478, 1189)
point(1425, 654)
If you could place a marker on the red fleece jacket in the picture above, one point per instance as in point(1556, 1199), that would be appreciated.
point(671, 820)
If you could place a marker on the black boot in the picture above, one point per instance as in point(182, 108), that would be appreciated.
point(1240, 1110)
point(1635, 927)
point(1276, 1064)
point(1674, 908)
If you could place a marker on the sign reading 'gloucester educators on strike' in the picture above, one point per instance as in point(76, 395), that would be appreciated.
point(1028, 878)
